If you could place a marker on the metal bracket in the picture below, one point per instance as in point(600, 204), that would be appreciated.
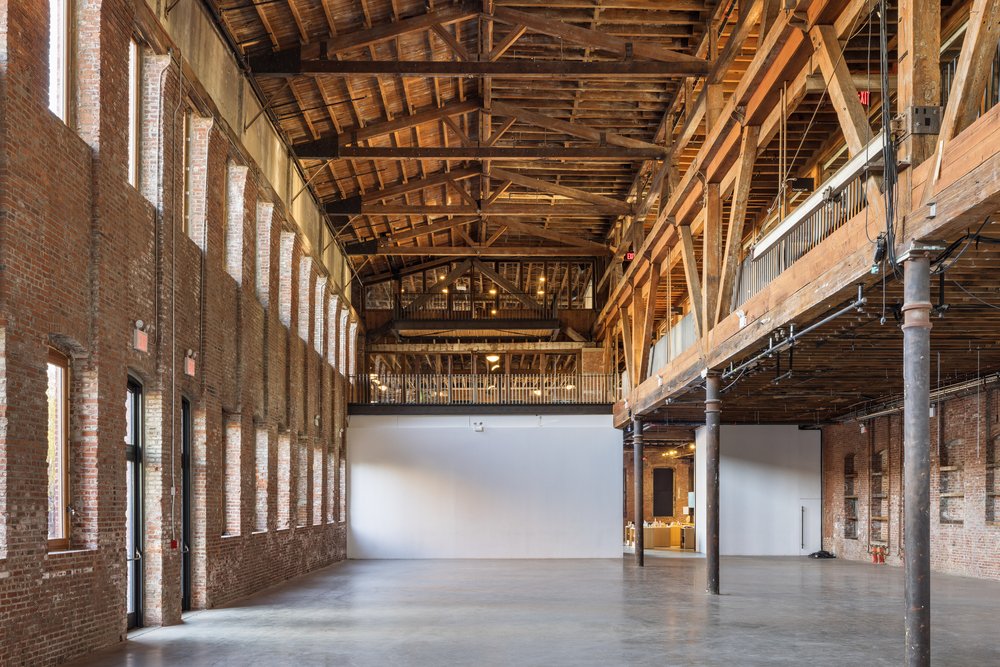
point(924, 120)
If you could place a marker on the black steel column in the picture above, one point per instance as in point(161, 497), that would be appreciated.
point(712, 417)
point(637, 486)
point(917, 458)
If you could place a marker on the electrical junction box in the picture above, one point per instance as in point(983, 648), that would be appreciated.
point(924, 120)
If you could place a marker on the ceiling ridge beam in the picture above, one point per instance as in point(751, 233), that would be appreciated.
point(288, 64)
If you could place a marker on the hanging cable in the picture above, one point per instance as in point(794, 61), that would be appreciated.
point(890, 170)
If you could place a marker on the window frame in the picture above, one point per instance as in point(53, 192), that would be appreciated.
point(134, 110)
point(66, 71)
point(57, 358)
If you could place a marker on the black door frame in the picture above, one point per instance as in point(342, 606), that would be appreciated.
point(133, 452)
point(185, 504)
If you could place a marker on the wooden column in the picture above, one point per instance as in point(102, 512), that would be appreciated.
point(919, 82)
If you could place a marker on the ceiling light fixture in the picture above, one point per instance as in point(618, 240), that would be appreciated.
point(492, 358)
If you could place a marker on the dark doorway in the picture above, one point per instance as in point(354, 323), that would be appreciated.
point(185, 505)
point(663, 491)
point(133, 503)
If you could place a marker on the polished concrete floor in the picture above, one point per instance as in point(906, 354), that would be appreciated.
point(774, 611)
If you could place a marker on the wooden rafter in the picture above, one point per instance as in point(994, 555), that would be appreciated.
point(618, 46)
point(554, 188)
point(737, 218)
point(505, 284)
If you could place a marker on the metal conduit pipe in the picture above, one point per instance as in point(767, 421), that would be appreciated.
point(857, 304)
point(944, 392)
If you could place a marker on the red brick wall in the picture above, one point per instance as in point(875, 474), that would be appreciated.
point(83, 256)
point(654, 457)
point(965, 535)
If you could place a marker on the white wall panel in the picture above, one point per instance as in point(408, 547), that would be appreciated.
point(765, 473)
point(525, 487)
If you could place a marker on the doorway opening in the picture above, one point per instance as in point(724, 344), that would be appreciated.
point(185, 505)
point(133, 505)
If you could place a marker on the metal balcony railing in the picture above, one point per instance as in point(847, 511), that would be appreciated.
point(490, 389)
point(838, 200)
point(466, 306)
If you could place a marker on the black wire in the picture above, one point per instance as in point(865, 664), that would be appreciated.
point(890, 174)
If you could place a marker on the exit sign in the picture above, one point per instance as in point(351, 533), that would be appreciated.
point(629, 256)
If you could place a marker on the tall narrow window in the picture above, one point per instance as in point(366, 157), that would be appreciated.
point(186, 161)
point(134, 69)
point(284, 480)
point(58, 450)
point(59, 56)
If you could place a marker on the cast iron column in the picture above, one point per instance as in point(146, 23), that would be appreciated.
point(712, 407)
point(637, 485)
point(917, 459)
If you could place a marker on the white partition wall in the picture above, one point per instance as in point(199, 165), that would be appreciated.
point(769, 490)
point(484, 487)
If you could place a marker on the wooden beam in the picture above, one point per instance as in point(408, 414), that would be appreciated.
point(359, 134)
point(476, 348)
point(711, 254)
point(431, 181)
point(596, 39)
point(507, 42)
point(691, 276)
point(520, 210)
point(541, 232)
point(501, 251)
point(572, 129)
point(850, 112)
point(432, 228)
point(460, 270)
point(387, 31)
point(969, 82)
point(325, 150)
point(451, 41)
point(843, 93)
point(565, 191)
point(500, 131)
point(505, 285)
point(644, 333)
point(737, 218)
point(524, 69)
point(463, 138)
point(626, 329)
point(406, 270)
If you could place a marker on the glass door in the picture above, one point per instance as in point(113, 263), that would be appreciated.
point(133, 503)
